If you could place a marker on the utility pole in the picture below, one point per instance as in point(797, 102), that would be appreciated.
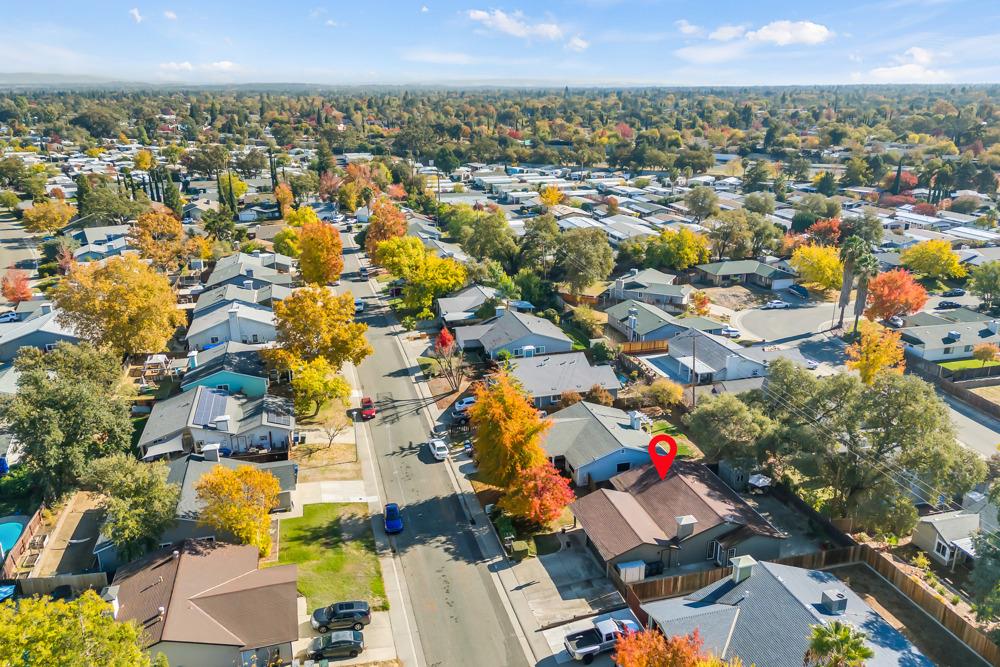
point(694, 370)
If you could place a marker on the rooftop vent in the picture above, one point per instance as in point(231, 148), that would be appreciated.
point(685, 526)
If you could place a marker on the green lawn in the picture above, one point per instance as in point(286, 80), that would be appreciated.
point(967, 363)
point(683, 448)
point(138, 424)
point(580, 338)
point(334, 548)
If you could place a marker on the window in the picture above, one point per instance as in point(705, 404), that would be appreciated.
point(540, 349)
point(222, 387)
point(942, 549)
point(622, 467)
point(968, 348)
point(214, 339)
point(49, 347)
point(517, 352)
point(713, 546)
point(948, 350)
point(255, 338)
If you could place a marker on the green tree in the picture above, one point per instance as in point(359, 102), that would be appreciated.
point(110, 206)
point(727, 428)
point(985, 578)
point(585, 258)
point(853, 248)
point(286, 242)
point(702, 202)
point(490, 237)
point(9, 199)
point(731, 236)
point(759, 202)
point(986, 282)
point(66, 413)
point(315, 383)
point(171, 195)
point(139, 504)
point(40, 630)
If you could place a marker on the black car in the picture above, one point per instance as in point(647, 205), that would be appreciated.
point(948, 305)
point(955, 291)
point(342, 615)
point(344, 644)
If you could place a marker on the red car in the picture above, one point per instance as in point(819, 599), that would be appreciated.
point(367, 408)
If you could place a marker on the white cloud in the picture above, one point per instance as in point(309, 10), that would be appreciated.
point(169, 15)
point(577, 44)
point(330, 23)
point(424, 9)
point(783, 33)
point(725, 33)
point(687, 28)
point(439, 57)
point(177, 67)
point(136, 16)
point(186, 66)
point(913, 66)
point(709, 54)
point(515, 24)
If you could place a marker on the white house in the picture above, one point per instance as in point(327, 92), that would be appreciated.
point(240, 322)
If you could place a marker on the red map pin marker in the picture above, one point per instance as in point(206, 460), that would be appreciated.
point(660, 460)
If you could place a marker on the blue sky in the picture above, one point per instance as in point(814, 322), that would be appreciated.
point(617, 42)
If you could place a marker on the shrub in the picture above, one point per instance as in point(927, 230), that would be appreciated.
point(954, 599)
point(921, 560)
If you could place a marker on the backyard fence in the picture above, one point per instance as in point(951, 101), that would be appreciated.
point(645, 346)
point(939, 375)
point(77, 582)
point(13, 557)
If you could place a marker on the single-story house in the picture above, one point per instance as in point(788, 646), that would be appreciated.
point(947, 536)
point(258, 212)
point(639, 321)
point(460, 308)
point(208, 604)
point(239, 322)
point(251, 271)
point(233, 367)
point(185, 423)
point(186, 472)
point(751, 271)
point(97, 236)
point(650, 286)
point(593, 443)
point(196, 208)
point(520, 334)
point(947, 342)
point(41, 329)
point(712, 358)
point(684, 519)
point(546, 377)
point(325, 210)
point(218, 297)
point(764, 613)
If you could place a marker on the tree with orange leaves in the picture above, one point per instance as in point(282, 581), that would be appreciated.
point(877, 350)
point(283, 194)
point(508, 431)
point(15, 286)
point(649, 648)
point(397, 192)
point(700, 302)
point(894, 294)
point(825, 232)
point(538, 495)
point(386, 222)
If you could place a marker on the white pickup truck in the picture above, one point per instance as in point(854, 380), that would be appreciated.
point(587, 644)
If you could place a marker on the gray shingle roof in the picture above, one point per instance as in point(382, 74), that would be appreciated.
point(743, 266)
point(187, 470)
point(648, 318)
point(776, 607)
point(940, 335)
point(551, 374)
point(233, 356)
point(508, 327)
point(585, 432)
point(468, 299)
point(710, 351)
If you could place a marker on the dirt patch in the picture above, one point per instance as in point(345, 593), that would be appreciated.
point(737, 297)
point(991, 394)
point(900, 613)
point(320, 461)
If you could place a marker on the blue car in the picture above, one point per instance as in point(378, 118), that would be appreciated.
point(393, 519)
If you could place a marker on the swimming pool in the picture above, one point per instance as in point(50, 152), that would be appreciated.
point(11, 528)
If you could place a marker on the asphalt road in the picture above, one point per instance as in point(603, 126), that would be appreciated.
point(458, 612)
point(17, 248)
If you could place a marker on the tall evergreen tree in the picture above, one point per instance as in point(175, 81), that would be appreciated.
point(172, 196)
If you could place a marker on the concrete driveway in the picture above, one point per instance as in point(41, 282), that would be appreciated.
point(567, 584)
point(555, 637)
point(378, 639)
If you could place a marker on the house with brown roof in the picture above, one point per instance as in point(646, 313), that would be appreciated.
point(206, 604)
point(686, 520)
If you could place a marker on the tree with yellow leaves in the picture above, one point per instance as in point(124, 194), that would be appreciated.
point(700, 302)
point(314, 322)
point(877, 350)
point(47, 217)
point(315, 383)
point(934, 259)
point(301, 216)
point(426, 275)
point(551, 196)
point(124, 304)
point(238, 502)
point(818, 265)
point(160, 238)
point(283, 195)
point(386, 222)
point(321, 257)
point(144, 160)
point(508, 431)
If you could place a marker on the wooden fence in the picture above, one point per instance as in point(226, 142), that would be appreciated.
point(648, 590)
point(78, 582)
point(939, 375)
point(16, 554)
point(645, 346)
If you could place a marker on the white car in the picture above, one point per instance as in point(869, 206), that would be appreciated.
point(9, 316)
point(812, 364)
point(731, 332)
point(439, 450)
point(463, 404)
point(359, 306)
point(771, 305)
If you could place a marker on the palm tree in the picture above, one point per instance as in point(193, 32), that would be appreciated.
point(837, 645)
point(853, 248)
point(865, 268)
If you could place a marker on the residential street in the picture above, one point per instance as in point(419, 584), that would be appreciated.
point(16, 246)
point(459, 615)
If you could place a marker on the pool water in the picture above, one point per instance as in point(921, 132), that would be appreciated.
point(9, 532)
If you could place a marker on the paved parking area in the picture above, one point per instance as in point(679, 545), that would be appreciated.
point(567, 584)
point(555, 636)
point(378, 639)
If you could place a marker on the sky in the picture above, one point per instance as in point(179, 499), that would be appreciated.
point(565, 42)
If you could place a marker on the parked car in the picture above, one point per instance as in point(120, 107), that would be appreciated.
point(588, 644)
point(463, 404)
point(731, 332)
point(359, 306)
point(392, 519)
point(355, 615)
point(9, 316)
point(777, 303)
point(895, 321)
point(812, 364)
point(439, 450)
point(368, 409)
point(460, 417)
point(344, 644)
point(954, 291)
point(799, 290)
point(363, 273)
point(949, 305)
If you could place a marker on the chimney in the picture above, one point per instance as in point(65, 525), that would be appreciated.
point(834, 601)
point(211, 452)
point(742, 568)
point(46, 308)
point(993, 326)
point(635, 420)
point(247, 284)
point(234, 322)
point(955, 335)
point(499, 310)
point(633, 272)
point(110, 595)
point(222, 423)
point(248, 273)
point(192, 359)
point(685, 526)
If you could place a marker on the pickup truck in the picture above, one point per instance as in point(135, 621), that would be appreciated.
point(587, 644)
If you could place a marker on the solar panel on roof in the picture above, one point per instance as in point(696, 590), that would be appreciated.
point(211, 404)
point(280, 418)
